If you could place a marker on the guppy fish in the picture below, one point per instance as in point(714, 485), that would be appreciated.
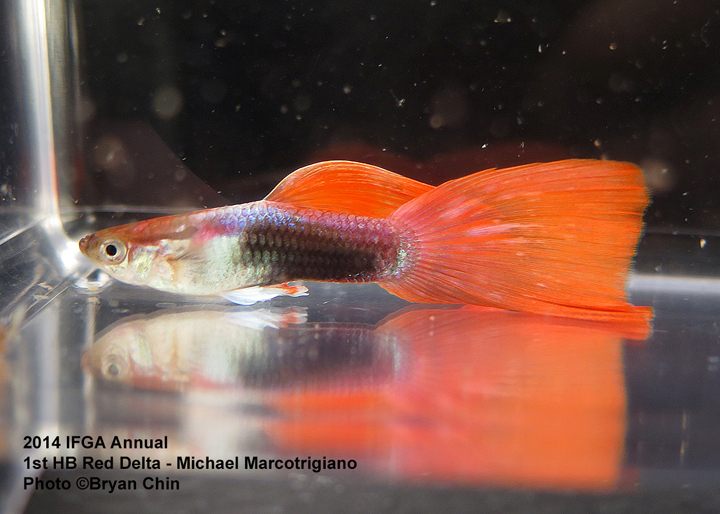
point(551, 238)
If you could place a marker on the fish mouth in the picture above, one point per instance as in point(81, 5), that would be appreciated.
point(86, 362)
point(85, 243)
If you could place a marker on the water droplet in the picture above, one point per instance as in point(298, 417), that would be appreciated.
point(659, 175)
point(167, 101)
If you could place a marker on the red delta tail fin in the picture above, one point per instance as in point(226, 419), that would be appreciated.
point(347, 187)
point(554, 238)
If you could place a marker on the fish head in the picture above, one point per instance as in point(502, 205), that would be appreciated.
point(108, 252)
point(109, 358)
point(137, 352)
point(142, 253)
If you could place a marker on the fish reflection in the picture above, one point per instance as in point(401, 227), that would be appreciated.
point(491, 397)
point(468, 395)
point(176, 350)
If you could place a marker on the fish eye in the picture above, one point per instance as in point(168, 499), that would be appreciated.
point(112, 368)
point(113, 251)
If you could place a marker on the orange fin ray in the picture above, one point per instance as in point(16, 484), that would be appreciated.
point(347, 187)
point(551, 238)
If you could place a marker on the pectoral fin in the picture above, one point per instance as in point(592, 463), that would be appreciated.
point(258, 319)
point(251, 295)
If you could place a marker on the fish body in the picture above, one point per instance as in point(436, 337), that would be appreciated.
point(552, 238)
point(255, 244)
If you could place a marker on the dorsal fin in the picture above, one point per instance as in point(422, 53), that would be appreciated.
point(348, 187)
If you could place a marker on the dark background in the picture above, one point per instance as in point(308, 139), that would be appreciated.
point(244, 92)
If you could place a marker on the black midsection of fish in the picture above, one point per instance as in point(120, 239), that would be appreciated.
point(320, 354)
point(331, 247)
